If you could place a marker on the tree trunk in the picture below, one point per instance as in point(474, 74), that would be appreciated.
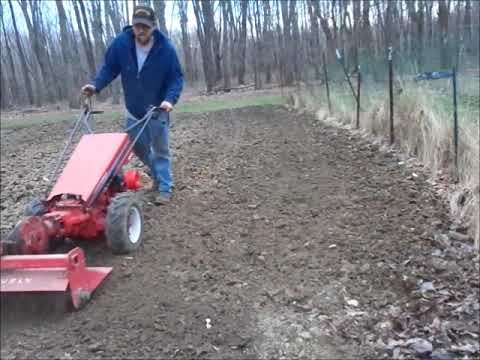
point(38, 47)
point(356, 32)
point(268, 41)
point(287, 46)
point(243, 42)
point(458, 34)
point(47, 39)
point(216, 48)
point(467, 33)
point(87, 33)
point(204, 13)
point(111, 15)
point(14, 84)
point(295, 42)
point(412, 20)
point(443, 22)
point(367, 38)
point(420, 18)
point(85, 42)
point(326, 30)
point(227, 84)
point(66, 53)
point(4, 97)
point(127, 12)
point(186, 44)
point(23, 62)
point(382, 35)
point(114, 16)
point(97, 30)
point(233, 38)
point(79, 72)
point(159, 6)
point(388, 33)
point(253, 52)
point(429, 11)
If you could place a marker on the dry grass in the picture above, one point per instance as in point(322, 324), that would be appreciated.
point(423, 130)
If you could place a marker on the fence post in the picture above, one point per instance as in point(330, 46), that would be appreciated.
point(390, 80)
point(326, 84)
point(359, 79)
point(455, 119)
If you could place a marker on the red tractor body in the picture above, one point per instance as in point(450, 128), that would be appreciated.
point(78, 208)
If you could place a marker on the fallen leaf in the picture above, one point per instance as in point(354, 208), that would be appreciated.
point(394, 343)
point(470, 348)
point(427, 286)
point(419, 345)
point(352, 302)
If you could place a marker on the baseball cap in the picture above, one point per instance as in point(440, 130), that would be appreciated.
point(143, 15)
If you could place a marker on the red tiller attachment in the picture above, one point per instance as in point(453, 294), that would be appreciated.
point(51, 273)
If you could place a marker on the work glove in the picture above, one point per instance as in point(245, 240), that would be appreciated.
point(88, 90)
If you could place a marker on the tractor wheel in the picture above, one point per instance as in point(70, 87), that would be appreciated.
point(124, 223)
point(34, 208)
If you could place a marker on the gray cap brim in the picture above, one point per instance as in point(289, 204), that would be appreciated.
point(143, 21)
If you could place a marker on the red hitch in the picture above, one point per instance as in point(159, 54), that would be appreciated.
point(52, 273)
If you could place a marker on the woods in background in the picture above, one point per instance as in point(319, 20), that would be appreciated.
point(60, 44)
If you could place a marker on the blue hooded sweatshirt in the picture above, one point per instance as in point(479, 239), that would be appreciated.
point(160, 78)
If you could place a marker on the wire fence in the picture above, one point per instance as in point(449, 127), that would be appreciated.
point(389, 97)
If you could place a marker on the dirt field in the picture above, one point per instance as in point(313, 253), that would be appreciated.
point(294, 238)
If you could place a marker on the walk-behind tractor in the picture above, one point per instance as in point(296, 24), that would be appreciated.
point(93, 198)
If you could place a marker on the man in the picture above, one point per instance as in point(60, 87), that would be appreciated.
point(151, 76)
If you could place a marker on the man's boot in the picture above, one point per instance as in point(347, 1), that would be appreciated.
point(161, 197)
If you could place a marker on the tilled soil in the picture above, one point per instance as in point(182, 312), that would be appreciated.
point(295, 239)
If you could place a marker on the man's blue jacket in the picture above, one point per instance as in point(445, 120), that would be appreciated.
point(160, 78)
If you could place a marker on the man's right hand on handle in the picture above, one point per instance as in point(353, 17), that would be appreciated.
point(88, 90)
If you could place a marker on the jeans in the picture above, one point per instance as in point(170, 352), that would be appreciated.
point(152, 148)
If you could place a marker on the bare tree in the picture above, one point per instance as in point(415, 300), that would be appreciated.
point(87, 46)
point(159, 6)
point(4, 96)
point(443, 22)
point(367, 38)
point(87, 28)
point(242, 42)
point(13, 73)
point(255, 52)
point(23, 62)
point(97, 29)
point(268, 41)
point(326, 30)
point(186, 43)
point(38, 47)
point(429, 12)
point(468, 25)
point(235, 39)
point(227, 84)
point(66, 52)
point(204, 14)
point(295, 45)
point(114, 18)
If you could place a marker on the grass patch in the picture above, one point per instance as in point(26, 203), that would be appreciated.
point(193, 107)
point(52, 118)
point(225, 103)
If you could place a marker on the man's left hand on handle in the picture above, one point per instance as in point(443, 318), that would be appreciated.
point(166, 106)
